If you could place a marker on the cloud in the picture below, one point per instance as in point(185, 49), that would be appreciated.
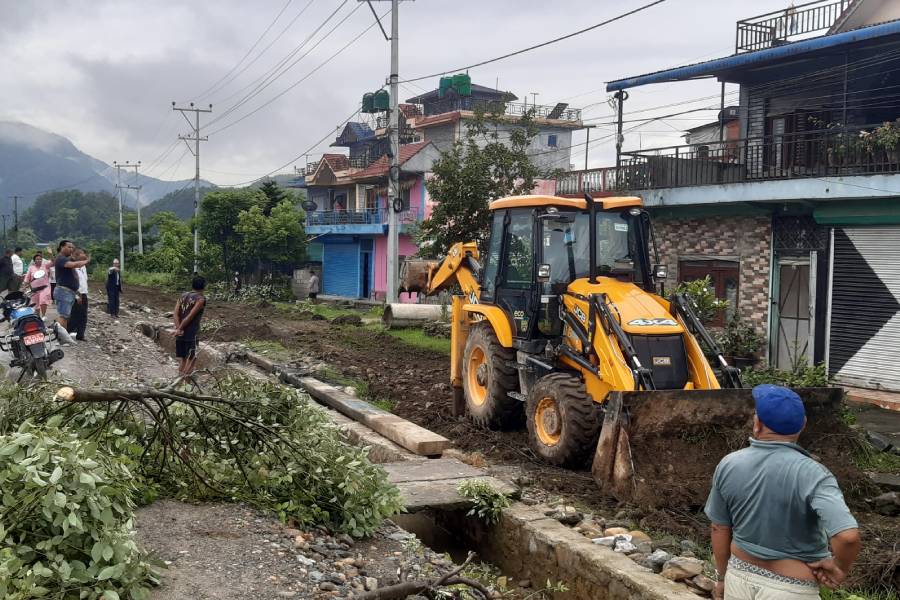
point(104, 73)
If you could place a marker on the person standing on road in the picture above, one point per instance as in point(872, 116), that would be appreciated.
point(113, 289)
point(66, 293)
point(18, 266)
point(775, 510)
point(49, 260)
point(40, 286)
point(188, 314)
point(78, 322)
point(7, 275)
point(313, 286)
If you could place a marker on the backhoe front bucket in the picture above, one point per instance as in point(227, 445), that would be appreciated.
point(660, 448)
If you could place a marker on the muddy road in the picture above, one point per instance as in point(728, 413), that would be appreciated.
point(416, 383)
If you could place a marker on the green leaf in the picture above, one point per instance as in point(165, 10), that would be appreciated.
point(106, 573)
point(56, 475)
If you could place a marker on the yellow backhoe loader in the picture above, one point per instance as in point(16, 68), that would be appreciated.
point(563, 325)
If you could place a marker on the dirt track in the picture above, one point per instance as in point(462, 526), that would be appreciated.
point(417, 381)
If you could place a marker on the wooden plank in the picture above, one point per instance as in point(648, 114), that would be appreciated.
point(262, 362)
point(414, 438)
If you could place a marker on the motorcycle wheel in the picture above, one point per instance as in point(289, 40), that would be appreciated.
point(40, 368)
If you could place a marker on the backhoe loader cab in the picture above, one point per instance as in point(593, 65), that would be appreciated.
point(562, 311)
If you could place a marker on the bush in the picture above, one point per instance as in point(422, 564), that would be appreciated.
point(700, 291)
point(801, 375)
point(739, 338)
point(487, 503)
point(66, 520)
point(277, 291)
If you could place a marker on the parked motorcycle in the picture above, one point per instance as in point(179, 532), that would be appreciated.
point(30, 341)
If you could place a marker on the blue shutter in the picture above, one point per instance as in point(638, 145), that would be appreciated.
point(340, 270)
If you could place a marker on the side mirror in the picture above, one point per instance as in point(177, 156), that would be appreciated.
point(543, 273)
point(660, 271)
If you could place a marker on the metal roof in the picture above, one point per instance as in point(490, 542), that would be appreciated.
point(728, 63)
point(476, 89)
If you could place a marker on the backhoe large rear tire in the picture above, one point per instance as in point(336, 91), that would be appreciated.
point(563, 421)
point(488, 375)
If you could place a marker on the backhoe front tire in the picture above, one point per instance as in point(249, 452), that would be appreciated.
point(563, 421)
point(488, 375)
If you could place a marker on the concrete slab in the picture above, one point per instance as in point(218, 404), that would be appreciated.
point(881, 399)
point(414, 438)
point(433, 484)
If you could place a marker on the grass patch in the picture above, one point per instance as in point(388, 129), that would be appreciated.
point(268, 348)
point(328, 311)
point(360, 387)
point(868, 458)
point(385, 404)
point(417, 338)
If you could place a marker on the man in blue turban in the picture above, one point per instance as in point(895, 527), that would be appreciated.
point(775, 511)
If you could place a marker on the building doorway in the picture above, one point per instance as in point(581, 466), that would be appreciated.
point(795, 311)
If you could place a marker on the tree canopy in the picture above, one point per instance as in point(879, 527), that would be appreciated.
point(477, 169)
point(71, 214)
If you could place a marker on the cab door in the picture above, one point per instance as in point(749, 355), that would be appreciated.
point(517, 293)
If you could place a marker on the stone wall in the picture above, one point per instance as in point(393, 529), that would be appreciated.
point(744, 239)
point(525, 544)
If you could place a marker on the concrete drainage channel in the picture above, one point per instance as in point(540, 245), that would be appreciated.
point(525, 544)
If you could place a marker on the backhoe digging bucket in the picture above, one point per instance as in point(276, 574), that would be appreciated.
point(660, 448)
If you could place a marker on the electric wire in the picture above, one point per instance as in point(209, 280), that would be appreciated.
point(536, 46)
point(296, 83)
point(221, 82)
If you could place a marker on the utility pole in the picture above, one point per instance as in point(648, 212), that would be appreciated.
point(194, 137)
point(396, 204)
point(121, 228)
point(587, 146)
point(5, 241)
point(136, 188)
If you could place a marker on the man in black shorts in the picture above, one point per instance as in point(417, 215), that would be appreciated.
point(188, 313)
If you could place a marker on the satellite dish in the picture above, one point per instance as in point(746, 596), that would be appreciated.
point(309, 205)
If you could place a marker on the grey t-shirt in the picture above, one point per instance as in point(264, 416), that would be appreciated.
point(779, 502)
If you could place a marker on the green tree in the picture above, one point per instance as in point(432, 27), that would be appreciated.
point(172, 249)
point(219, 215)
point(480, 168)
point(275, 240)
point(275, 195)
point(71, 214)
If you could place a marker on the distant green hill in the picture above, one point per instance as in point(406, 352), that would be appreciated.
point(180, 202)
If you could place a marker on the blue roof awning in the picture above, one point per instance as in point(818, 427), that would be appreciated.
point(729, 63)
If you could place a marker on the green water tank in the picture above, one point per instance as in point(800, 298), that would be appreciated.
point(368, 103)
point(463, 84)
point(382, 100)
point(445, 84)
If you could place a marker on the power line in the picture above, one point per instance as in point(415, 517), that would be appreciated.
point(273, 74)
point(536, 46)
point(298, 82)
point(219, 83)
point(296, 158)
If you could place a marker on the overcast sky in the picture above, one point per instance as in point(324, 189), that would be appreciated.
point(104, 72)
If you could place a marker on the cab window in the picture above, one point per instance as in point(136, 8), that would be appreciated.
point(519, 250)
point(492, 260)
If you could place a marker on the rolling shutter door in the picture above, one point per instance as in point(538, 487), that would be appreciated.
point(865, 307)
point(340, 270)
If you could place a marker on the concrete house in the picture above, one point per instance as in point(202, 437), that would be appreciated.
point(797, 218)
point(444, 112)
point(346, 211)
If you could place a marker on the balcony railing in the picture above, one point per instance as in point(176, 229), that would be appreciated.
point(827, 153)
point(560, 111)
point(783, 26)
point(366, 216)
point(591, 181)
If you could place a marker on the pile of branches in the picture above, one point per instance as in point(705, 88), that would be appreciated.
point(243, 440)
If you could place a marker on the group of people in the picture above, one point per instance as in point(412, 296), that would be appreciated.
point(61, 279)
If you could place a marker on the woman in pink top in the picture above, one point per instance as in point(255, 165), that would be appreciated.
point(40, 286)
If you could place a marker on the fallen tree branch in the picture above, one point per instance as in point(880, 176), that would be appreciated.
point(410, 588)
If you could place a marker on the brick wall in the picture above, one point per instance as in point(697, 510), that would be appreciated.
point(743, 239)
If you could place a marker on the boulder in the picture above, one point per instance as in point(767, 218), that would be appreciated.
point(638, 536)
point(614, 531)
point(702, 584)
point(680, 568)
point(656, 559)
point(887, 504)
